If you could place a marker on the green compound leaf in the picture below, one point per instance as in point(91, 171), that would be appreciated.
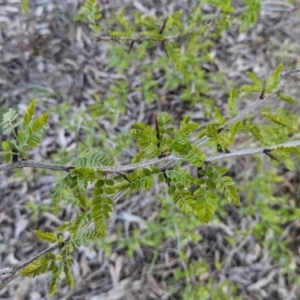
point(6, 146)
point(219, 116)
point(226, 186)
point(54, 280)
point(283, 151)
point(29, 113)
point(84, 238)
point(25, 5)
point(36, 268)
point(92, 159)
point(144, 135)
point(232, 102)
point(164, 118)
point(257, 85)
point(205, 205)
point(101, 208)
point(285, 97)
point(195, 156)
point(181, 175)
point(274, 80)
point(76, 224)
point(250, 15)
point(7, 157)
point(46, 236)
point(256, 132)
point(89, 12)
point(136, 180)
point(184, 200)
point(69, 275)
point(9, 121)
point(281, 121)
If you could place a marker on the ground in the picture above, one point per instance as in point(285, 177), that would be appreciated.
point(45, 54)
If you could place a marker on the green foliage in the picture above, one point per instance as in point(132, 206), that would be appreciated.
point(195, 156)
point(27, 133)
point(92, 158)
point(265, 200)
point(270, 87)
point(205, 204)
point(9, 121)
point(101, 207)
point(274, 80)
point(89, 12)
point(25, 5)
point(68, 272)
point(281, 121)
point(232, 102)
point(250, 14)
point(36, 268)
point(46, 236)
point(56, 273)
point(257, 86)
point(86, 237)
point(285, 97)
point(256, 132)
point(137, 180)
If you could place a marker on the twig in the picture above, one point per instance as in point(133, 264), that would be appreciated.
point(167, 159)
point(252, 151)
point(14, 271)
point(117, 169)
point(138, 38)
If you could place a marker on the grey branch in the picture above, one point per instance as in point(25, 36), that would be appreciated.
point(251, 151)
point(125, 168)
point(140, 38)
point(14, 271)
point(155, 161)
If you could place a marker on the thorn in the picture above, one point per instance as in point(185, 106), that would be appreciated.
point(268, 153)
point(198, 174)
point(14, 155)
point(157, 132)
point(220, 150)
point(15, 152)
point(115, 40)
point(164, 25)
point(123, 175)
point(166, 177)
point(68, 169)
point(164, 154)
point(130, 47)
point(262, 95)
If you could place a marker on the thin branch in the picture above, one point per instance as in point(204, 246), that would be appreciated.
point(14, 271)
point(34, 164)
point(138, 38)
point(117, 169)
point(252, 151)
point(169, 160)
